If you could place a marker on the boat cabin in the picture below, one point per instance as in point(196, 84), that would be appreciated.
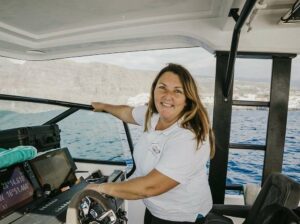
point(46, 31)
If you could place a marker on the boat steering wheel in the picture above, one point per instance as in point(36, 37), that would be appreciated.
point(92, 207)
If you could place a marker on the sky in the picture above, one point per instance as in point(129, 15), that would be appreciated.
point(194, 59)
point(197, 60)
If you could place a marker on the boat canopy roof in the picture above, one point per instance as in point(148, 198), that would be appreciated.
point(43, 30)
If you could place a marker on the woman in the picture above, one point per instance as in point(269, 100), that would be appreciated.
point(172, 153)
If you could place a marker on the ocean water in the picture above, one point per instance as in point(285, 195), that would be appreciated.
point(250, 127)
point(102, 137)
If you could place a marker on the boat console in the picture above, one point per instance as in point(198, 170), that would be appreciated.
point(40, 191)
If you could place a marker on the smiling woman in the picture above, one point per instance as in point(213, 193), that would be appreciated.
point(185, 102)
point(169, 100)
point(172, 153)
point(173, 150)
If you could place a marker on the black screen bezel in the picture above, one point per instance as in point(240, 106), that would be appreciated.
point(50, 154)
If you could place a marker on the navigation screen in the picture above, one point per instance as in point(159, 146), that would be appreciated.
point(15, 190)
point(55, 169)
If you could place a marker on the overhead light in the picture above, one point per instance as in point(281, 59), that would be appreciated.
point(37, 52)
point(293, 15)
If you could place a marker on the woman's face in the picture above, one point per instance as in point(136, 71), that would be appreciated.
point(169, 97)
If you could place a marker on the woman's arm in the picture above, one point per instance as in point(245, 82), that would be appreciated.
point(122, 112)
point(155, 183)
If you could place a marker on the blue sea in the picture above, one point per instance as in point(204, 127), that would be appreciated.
point(100, 136)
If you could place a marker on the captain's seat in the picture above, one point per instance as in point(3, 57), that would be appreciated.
point(278, 191)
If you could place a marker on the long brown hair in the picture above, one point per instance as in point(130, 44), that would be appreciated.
point(194, 114)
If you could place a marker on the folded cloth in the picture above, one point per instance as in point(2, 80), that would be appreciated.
point(16, 155)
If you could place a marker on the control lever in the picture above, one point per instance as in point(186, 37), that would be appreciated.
point(96, 177)
point(97, 174)
point(97, 180)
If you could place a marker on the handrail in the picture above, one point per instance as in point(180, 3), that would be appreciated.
point(62, 116)
point(45, 101)
point(234, 45)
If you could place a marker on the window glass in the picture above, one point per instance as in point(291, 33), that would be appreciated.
point(291, 158)
point(249, 126)
point(22, 114)
point(252, 79)
point(95, 136)
point(245, 166)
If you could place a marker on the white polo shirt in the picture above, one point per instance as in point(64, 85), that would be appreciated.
point(173, 153)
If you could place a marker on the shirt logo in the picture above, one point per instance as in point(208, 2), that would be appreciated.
point(155, 148)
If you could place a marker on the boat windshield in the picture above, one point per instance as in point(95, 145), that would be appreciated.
point(88, 135)
point(125, 78)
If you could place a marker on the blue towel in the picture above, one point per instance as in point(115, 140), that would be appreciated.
point(16, 155)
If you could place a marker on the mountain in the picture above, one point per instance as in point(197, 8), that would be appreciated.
point(72, 81)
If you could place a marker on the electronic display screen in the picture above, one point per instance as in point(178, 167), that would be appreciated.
point(55, 168)
point(15, 190)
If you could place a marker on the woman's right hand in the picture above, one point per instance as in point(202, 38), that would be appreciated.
point(123, 112)
point(98, 106)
